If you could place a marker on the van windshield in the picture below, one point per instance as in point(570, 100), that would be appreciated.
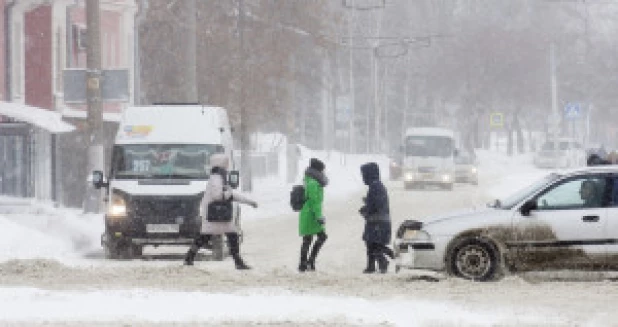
point(158, 161)
point(429, 146)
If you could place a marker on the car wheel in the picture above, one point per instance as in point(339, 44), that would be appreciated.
point(474, 259)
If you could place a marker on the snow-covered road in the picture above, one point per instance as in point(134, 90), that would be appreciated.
point(77, 287)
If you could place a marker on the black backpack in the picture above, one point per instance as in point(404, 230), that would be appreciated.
point(297, 197)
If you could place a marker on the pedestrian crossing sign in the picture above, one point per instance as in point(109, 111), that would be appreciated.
point(496, 119)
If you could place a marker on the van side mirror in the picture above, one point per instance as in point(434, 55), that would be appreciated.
point(527, 207)
point(98, 180)
point(234, 179)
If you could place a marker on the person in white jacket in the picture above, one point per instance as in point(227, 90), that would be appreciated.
point(217, 189)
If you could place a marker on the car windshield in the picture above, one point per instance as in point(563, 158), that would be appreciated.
point(512, 200)
point(429, 146)
point(157, 161)
point(464, 159)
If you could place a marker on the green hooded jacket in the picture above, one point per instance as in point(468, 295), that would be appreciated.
point(312, 210)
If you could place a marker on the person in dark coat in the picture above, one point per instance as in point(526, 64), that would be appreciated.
point(377, 233)
point(311, 219)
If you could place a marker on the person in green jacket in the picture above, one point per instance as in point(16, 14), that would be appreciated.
point(311, 221)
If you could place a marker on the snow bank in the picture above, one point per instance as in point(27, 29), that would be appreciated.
point(41, 231)
point(257, 306)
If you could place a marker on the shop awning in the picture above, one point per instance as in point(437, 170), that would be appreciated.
point(46, 119)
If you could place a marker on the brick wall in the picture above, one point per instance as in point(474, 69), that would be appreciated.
point(38, 57)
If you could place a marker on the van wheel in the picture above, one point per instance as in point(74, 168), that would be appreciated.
point(218, 247)
point(121, 249)
point(474, 259)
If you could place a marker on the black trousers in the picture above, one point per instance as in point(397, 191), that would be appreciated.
point(232, 239)
point(376, 250)
point(304, 248)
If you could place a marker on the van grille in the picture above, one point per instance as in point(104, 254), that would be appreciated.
point(165, 207)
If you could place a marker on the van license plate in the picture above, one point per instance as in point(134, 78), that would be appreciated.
point(162, 228)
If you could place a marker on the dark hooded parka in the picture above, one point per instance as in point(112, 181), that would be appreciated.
point(376, 209)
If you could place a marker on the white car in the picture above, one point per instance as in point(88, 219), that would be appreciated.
point(562, 153)
point(563, 221)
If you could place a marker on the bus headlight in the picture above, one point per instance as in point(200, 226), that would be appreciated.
point(118, 206)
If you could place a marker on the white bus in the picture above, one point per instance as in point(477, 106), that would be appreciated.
point(428, 157)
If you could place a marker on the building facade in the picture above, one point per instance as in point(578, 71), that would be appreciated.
point(42, 39)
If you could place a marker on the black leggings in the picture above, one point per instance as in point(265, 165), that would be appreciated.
point(304, 249)
point(232, 239)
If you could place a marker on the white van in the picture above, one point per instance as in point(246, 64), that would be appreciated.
point(159, 170)
point(428, 157)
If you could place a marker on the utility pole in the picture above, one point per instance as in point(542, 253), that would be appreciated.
point(352, 113)
point(245, 163)
point(94, 119)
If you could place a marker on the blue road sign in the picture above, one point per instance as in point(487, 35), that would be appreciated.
point(572, 110)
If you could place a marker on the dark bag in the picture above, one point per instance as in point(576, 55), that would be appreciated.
point(220, 211)
point(297, 197)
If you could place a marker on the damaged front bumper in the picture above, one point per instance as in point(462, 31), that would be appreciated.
point(411, 255)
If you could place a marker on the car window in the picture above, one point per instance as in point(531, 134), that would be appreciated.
point(578, 193)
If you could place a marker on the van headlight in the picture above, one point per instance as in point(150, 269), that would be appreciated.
point(118, 206)
point(415, 235)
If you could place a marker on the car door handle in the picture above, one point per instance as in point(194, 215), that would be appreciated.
point(590, 219)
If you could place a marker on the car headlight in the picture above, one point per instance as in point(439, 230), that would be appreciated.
point(118, 206)
point(394, 164)
point(474, 170)
point(409, 176)
point(446, 177)
point(415, 235)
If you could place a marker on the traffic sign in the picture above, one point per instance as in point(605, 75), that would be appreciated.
point(496, 119)
point(572, 110)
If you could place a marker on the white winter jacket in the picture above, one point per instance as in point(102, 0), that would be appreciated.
point(216, 190)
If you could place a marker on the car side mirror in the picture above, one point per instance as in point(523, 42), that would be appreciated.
point(527, 207)
point(234, 179)
point(98, 179)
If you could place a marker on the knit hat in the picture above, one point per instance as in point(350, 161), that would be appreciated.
point(316, 164)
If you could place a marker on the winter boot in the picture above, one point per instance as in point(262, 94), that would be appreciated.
point(190, 257)
point(382, 264)
point(315, 250)
point(304, 249)
point(371, 265)
point(239, 263)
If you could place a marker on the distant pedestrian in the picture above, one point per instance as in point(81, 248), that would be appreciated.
point(311, 221)
point(377, 233)
point(218, 198)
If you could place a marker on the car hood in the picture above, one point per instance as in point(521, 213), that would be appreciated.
point(461, 220)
